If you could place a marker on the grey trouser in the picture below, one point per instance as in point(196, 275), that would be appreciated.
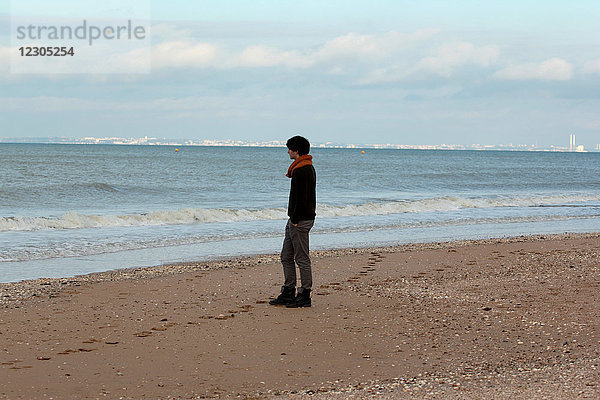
point(295, 251)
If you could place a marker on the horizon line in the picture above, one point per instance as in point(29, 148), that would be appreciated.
point(151, 141)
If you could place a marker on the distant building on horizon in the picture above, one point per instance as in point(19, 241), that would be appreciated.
point(572, 145)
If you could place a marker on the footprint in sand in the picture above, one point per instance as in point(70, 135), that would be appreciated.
point(71, 351)
point(68, 351)
point(224, 316)
point(21, 367)
point(323, 292)
point(159, 328)
point(245, 308)
point(374, 259)
point(335, 286)
point(143, 334)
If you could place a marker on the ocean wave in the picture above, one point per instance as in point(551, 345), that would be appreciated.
point(74, 220)
point(449, 203)
point(84, 247)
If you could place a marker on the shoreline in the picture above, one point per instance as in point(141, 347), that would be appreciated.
point(30, 289)
point(475, 319)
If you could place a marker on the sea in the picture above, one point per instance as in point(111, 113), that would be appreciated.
point(67, 210)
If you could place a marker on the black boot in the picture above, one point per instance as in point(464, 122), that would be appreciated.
point(286, 297)
point(302, 299)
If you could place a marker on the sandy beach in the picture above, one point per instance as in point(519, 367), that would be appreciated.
point(503, 318)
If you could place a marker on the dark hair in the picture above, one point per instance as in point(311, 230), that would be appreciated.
point(299, 144)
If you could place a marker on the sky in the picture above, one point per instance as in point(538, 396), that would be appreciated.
point(365, 72)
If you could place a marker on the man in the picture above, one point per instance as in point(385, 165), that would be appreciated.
point(301, 210)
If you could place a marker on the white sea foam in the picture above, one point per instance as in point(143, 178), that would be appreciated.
point(84, 247)
point(73, 220)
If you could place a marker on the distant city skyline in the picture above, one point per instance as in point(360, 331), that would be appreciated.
point(388, 71)
point(572, 147)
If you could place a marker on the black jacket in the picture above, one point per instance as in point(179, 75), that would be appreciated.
point(303, 198)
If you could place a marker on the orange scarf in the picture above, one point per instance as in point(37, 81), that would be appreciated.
point(301, 161)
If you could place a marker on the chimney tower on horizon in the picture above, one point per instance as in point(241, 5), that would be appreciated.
point(572, 145)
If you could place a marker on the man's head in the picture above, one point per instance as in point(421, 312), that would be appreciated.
point(297, 146)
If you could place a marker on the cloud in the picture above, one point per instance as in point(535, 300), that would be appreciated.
point(592, 67)
point(261, 56)
point(170, 32)
point(451, 56)
point(361, 58)
point(136, 60)
point(370, 47)
point(443, 61)
point(184, 54)
point(377, 58)
point(354, 46)
point(340, 53)
point(554, 69)
point(5, 74)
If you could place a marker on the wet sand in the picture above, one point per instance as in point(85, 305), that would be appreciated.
point(503, 319)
